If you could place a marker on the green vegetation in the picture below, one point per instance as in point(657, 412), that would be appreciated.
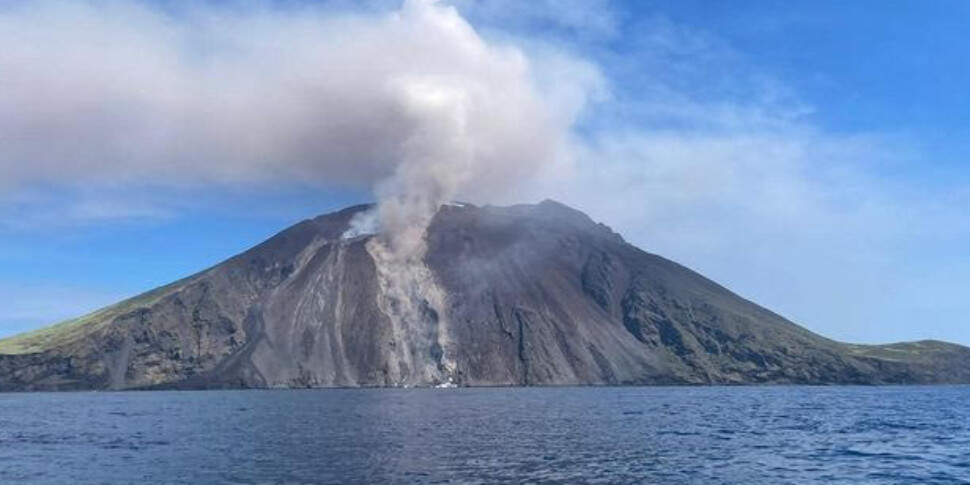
point(56, 335)
point(64, 333)
point(903, 352)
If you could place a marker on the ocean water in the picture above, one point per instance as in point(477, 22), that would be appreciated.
point(752, 435)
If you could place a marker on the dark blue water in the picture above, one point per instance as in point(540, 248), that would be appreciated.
point(577, 435)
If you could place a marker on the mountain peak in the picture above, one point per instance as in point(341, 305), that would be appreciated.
point(531, 294)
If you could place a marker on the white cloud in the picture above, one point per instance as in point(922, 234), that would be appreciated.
point(589, 20)
point(27, 211)
point(101, 91)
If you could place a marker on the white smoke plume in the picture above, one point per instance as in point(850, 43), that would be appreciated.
point(411, 102)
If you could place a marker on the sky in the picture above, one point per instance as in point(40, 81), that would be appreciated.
point(810, 156)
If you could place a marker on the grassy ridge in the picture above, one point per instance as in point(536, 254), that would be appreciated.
point(63, 333)
point(906, 351)
point(56, 335)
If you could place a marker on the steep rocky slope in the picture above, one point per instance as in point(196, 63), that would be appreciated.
point(521, 295)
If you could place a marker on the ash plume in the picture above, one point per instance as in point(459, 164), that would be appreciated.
point(410, 103)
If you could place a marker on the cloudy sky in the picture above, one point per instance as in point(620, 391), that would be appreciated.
point(811, 157)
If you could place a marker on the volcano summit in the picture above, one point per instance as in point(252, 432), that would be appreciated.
point(504, 296)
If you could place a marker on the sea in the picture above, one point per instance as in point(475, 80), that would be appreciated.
point(706, 435)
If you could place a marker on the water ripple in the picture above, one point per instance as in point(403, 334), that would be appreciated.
point(567, 435)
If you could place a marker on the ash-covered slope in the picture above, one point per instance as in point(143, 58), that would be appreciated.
point(522, 295)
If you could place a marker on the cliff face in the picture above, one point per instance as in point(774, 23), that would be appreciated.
point(522, 295)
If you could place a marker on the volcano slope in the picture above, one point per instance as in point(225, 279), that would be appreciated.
point(525, 295)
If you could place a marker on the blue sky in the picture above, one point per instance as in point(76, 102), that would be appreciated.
point(811, 156)
point(866, 65)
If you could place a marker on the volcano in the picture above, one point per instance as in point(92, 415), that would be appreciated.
point(526, 295)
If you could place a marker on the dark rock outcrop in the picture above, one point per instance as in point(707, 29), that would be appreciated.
point(533, 295)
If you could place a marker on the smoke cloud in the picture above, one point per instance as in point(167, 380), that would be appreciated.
point(410, 103)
